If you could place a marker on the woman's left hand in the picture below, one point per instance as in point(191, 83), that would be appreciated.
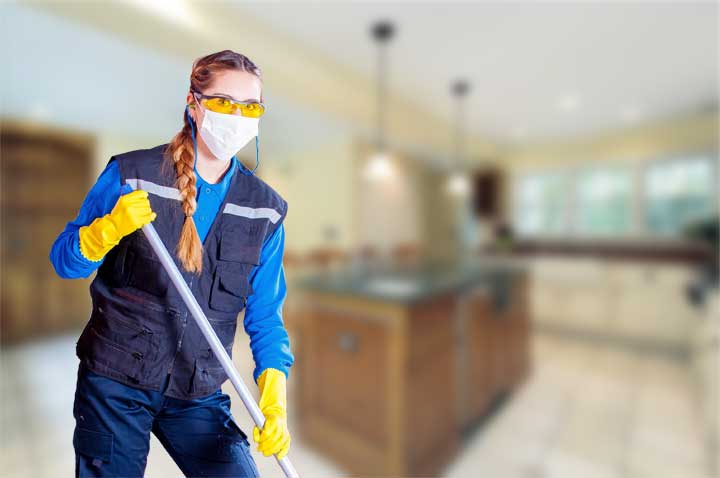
point(275, 436)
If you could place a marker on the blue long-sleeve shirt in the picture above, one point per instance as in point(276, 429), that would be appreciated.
point(263, 323)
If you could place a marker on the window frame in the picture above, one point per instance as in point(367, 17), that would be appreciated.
point(517, 180)
point(643, 174)
point(638, 169)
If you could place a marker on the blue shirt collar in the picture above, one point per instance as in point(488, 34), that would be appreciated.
point(225, 180)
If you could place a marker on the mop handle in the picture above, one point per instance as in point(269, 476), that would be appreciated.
point(211, 337)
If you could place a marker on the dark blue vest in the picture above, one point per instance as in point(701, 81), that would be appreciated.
point(140, 330)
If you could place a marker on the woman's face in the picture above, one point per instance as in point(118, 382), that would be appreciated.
point(238, 85)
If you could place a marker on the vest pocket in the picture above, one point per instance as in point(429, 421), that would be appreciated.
point(100, 350)
point(208, 373)
point(243, 243)
point(206, 378)
point(230, 287)
point(225, 330)
point(239, 252)
point(118, 344)
point(124, 331)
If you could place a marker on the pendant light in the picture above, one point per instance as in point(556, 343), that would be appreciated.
point(379, 166)
point(458, 183)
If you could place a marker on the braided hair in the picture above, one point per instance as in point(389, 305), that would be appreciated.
point(180, 154)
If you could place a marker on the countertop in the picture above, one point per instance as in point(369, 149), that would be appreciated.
point(412, 284)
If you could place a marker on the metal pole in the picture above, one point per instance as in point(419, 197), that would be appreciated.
point(212, 338)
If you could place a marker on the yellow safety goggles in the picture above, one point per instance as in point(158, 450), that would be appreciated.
point(224, 105)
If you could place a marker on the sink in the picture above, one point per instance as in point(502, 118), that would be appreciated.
point(393, 286)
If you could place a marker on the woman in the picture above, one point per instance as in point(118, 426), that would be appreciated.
point(144, 364)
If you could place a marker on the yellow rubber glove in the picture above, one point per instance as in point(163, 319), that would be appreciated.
point(275, 436)
point(131, 212)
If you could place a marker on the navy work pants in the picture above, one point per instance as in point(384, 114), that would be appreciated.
point(113, 423)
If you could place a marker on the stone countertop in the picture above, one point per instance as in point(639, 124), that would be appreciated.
point(411, 284)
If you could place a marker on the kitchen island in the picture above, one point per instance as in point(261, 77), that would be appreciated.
point(396, 362)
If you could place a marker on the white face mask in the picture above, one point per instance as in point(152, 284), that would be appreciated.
point(225, 134)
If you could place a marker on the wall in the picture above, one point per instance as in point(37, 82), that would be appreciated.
point(318, 185)
point(108, 145)
point(680, 134)
point(441, 214)
point(387, 210)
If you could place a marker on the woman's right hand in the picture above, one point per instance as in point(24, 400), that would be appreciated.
point(131, 212)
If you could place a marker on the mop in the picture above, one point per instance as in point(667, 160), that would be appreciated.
point(212, 338)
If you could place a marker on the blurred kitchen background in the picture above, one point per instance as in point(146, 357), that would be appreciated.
point(502, 240)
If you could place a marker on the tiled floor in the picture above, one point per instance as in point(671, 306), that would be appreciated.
point(592, 411)
point(36, 426)
point(588, 411)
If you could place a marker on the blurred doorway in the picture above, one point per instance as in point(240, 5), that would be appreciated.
point(45, 175)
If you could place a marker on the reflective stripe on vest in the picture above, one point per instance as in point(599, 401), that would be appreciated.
point(230, 208)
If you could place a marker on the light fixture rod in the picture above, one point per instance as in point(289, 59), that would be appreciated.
point(460, 89)
point(382, 32)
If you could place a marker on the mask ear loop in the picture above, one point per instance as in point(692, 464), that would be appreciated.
point(257, 160)
point(257, 153)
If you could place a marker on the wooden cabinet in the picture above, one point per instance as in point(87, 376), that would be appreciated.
point(382, 383)
point(378, 382)
point(44, 178)
point(639, 302)
point(493, 348)
point(515, 336)
point(429, 407)
point(350, 376)
point(478, 370)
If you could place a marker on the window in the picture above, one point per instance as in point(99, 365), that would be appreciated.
point(541, 205)
point(603, 202)
point(677, 193)
point(618, 200)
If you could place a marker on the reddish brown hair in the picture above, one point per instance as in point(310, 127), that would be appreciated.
point(180, 153)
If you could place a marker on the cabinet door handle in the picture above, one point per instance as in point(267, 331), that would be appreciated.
point(348, 341)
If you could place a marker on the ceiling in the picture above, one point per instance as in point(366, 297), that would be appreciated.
point(70, 73)
point(538, 70)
